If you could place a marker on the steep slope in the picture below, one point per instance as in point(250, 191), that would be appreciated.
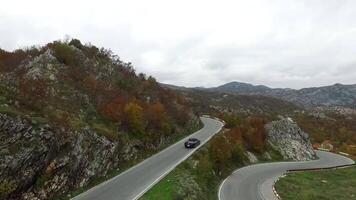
point(335, 95)
point(71, 113)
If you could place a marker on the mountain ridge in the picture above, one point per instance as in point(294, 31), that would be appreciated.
point(333, 95)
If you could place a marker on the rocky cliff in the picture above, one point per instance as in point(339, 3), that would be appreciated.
point(286, 136)
point(71, 113)
point(40, 162)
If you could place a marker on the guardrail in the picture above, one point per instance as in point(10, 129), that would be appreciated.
point(344, 154)
point(319, 169)
point(323, 149)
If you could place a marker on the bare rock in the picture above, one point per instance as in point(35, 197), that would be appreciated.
point(293, 143)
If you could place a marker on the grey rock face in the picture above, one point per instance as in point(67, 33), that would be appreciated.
point(38, 163)
point(290, 140)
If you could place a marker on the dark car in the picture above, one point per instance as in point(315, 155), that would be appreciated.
point(192, 143)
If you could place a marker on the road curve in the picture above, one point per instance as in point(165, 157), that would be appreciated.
point(133, 183)
point(255, 182)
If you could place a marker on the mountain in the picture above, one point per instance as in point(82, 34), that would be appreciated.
point(71, 114)
point(334, 95)
point(218, 103)
point(242, 88)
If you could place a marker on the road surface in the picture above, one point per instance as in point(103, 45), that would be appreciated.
point(255, 182)
point(134, 182)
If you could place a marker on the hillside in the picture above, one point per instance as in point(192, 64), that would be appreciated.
point(334, 95)
point(217, 103)
point(72, 113)
point(334, 125)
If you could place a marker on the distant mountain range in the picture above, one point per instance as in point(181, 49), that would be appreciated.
point(334, 95)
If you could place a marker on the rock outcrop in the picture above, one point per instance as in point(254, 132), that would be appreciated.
point(70, 113)
point(40, 162)
point(286, 136)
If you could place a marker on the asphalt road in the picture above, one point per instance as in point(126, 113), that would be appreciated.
point(255, 182)
point(134, 182)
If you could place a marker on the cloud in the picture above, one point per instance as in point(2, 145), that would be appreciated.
point(297, 43)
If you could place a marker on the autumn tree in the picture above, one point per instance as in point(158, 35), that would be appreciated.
point(235, 135)
point(255, 135)
point(114, 110)
point(133, 118)
point(220, 152)
point(157, 117)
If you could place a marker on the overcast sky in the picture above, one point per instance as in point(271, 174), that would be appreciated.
point(279, 43)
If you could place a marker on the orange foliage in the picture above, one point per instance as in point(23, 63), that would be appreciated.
point(156, 115)
point(235, 135)
point(114, 109)
point(251, 132)
point(256, 135)
point(8, 61)
point(220, 152)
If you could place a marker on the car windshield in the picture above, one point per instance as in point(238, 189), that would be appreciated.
point(192, 139)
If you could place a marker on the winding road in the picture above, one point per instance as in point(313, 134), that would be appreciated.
point(133, 183)
point(255, 182)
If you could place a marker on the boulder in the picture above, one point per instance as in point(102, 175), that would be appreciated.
point(287, 137)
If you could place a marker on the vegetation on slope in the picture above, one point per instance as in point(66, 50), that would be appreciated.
point(330, 127)
point(73, 115)
point(199, 177)
point(72, 85)
point(243, 105)
point(337, 184)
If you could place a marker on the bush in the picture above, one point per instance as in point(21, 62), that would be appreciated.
point(65, 54)
point(76, 43)
point(220, 153)
point(6, 188)
point(238, 154)
point(134, 118)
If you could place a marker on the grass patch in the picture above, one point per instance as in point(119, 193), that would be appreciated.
point(166, 189)
point(331, 184)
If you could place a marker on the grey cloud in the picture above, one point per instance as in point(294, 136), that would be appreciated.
point(298, 43)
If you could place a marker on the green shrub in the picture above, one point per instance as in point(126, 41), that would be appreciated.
point(6, 188)
point(76, 43)
point(65, 54)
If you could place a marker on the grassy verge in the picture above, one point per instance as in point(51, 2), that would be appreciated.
point(337, 184)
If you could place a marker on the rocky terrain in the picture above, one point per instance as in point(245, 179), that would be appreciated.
point(71, 113)
point(41, 162)
point(334, 95)
point(290, 140)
